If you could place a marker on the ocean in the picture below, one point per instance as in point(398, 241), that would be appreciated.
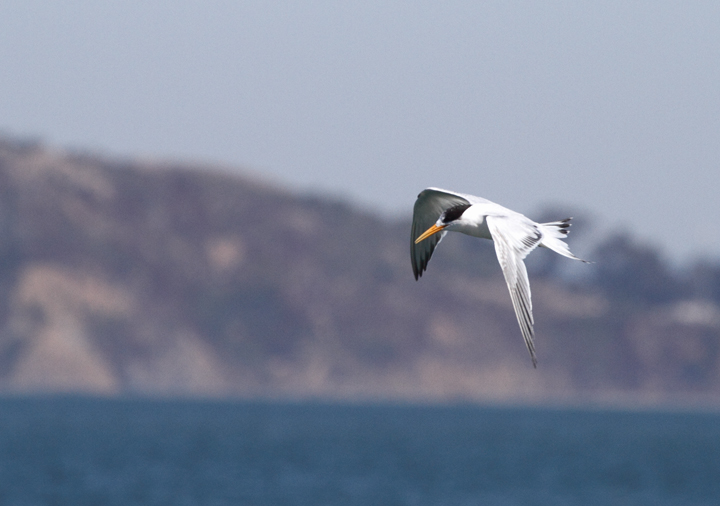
point(78, 451)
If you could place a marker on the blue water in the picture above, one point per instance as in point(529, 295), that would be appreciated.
point(85, 451)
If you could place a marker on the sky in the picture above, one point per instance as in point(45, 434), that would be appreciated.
point(610, 110)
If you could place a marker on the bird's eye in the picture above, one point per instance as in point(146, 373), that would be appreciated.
point(454, 212)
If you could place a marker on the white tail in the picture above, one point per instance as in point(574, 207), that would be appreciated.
point(553, 235)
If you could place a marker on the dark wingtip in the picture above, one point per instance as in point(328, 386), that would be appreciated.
point(533, 357)
point(417, 271)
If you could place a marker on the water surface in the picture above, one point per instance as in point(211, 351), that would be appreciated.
point(87, 451)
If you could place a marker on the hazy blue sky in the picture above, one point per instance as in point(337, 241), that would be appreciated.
point(609, 108)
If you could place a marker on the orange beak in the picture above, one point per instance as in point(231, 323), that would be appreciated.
point(432, 230)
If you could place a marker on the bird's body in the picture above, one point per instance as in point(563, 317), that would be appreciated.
point(437, 212)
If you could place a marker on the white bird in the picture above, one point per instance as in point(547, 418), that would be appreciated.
point(438, 212)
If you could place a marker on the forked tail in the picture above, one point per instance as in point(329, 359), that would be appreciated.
point(553, 235)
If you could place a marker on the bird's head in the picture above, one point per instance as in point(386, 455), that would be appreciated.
point(450, 216)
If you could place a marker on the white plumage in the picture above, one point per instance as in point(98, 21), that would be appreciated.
point(438, 212)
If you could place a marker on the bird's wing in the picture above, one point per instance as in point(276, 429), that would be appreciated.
point(472, 199)
point(514, 238)
point(430, 204)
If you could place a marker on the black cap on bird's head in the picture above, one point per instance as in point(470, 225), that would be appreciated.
point(454, 212)
point(451, 214)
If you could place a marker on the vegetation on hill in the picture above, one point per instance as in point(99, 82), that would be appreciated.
point(121, 276)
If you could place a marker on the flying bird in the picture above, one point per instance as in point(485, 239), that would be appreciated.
point(438, 212)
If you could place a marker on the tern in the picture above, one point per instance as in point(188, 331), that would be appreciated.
point(438, 212)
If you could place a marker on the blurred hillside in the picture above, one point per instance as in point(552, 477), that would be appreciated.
point(133, 277)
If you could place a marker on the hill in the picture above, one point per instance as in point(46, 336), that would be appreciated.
point(123, 277)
